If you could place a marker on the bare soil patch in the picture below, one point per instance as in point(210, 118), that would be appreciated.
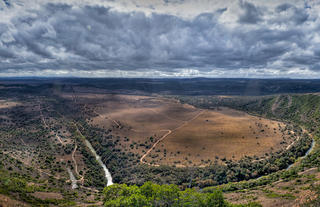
point(6, 201)
point(47, 195)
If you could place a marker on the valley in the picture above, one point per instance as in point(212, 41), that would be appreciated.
point(163, 131)
point(65, 144)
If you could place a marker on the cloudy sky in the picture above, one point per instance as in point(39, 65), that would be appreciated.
point(160, 38)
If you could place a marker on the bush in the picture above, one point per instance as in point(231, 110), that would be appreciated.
point(150, 194)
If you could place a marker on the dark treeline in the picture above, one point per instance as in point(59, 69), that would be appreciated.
point(191, 86)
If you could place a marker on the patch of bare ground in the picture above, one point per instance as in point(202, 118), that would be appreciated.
point(275, 105)
point(91, 204)
point(47, 195)
point(6, 201)
point(90, 201)
point(289, 101)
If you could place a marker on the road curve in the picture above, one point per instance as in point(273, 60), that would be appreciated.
point(164, 136)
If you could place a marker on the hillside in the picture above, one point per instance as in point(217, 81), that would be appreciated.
point(296, 186)
point(47, 161)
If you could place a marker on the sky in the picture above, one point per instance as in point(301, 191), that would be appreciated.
point(160, 38)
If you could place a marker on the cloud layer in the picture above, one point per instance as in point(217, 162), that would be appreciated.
point(95, 39)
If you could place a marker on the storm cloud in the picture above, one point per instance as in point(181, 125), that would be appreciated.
point(277, 40)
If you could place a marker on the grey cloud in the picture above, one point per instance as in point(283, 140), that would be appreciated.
point(251, 15)
point(5, 54)
point(291, 14)
point(316, 52)
point(300, 16)
point(283, 7)
point(60, 36)
point(221, 11)
point(173, 1)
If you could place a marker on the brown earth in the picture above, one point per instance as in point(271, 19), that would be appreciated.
point(6, 201)
point(187, 137)
point(47, 195)
point(226, 134)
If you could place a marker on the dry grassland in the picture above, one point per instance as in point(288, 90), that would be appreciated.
point(226, 134)
point(195, 139)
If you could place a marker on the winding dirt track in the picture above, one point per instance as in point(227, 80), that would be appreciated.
point(46, 125)
point(153, 146)
point(114, 121)
point(159, 140)
point(74, 160)
point(59, 139)
point(164, 136)
point(75, 164)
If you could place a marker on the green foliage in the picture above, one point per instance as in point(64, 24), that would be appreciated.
point(149, 194)
point(18, 185)
point(277, 195)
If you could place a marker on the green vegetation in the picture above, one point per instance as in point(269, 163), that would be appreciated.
point(150, 194)
point(20, 184)
point(271, 194)
point(253, 183)
point(191, 186)
point(297, 110)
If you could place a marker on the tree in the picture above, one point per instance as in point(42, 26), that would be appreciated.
point(150, 194)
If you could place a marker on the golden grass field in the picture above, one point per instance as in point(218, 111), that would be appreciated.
point(183, 135)
point(226, 134)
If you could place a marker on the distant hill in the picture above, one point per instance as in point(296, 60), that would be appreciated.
point(190, 86)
